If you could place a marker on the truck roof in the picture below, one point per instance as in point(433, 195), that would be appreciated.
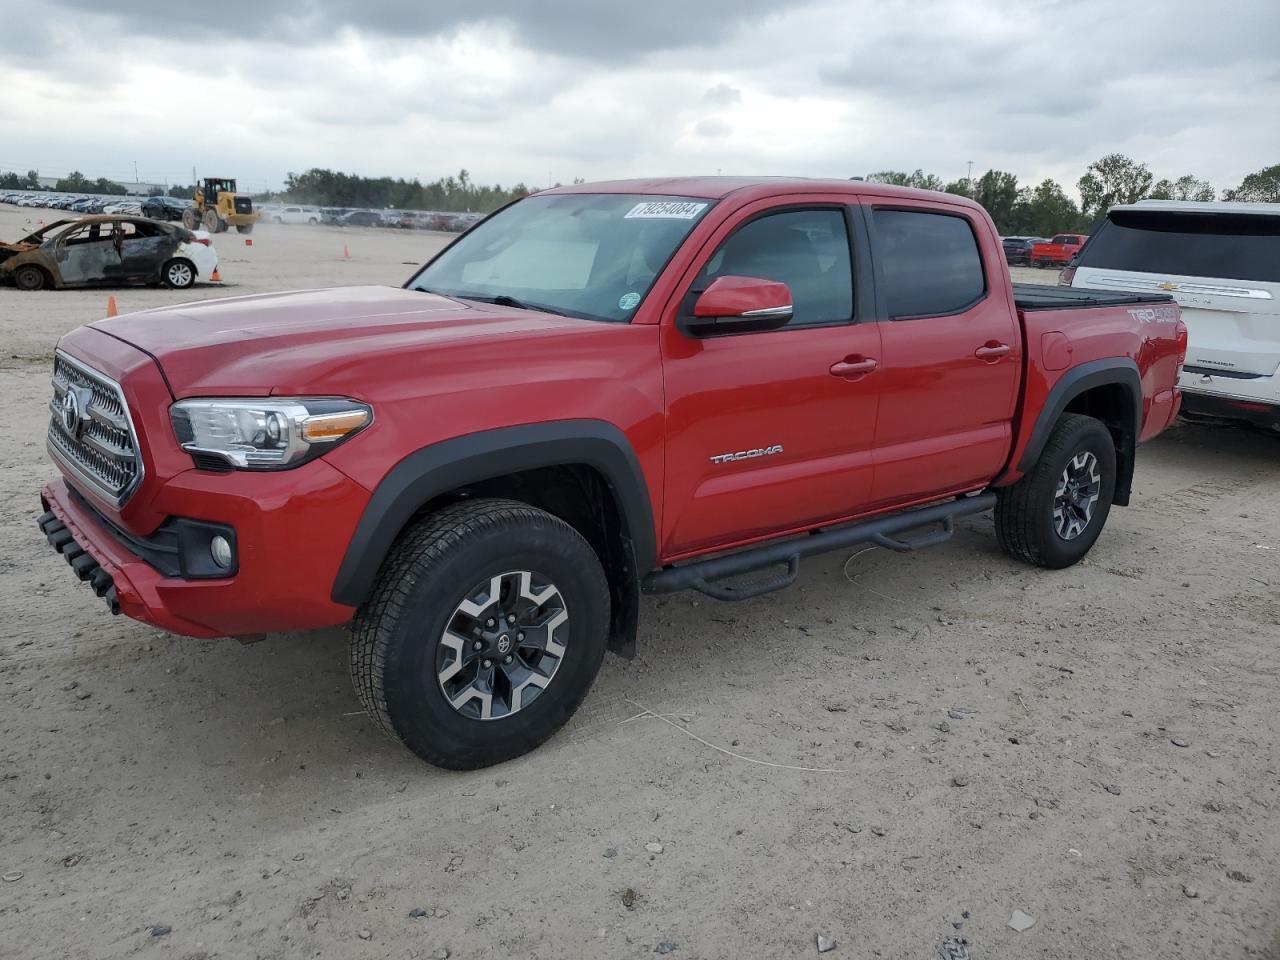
point(1202, 206)
point(716, 188)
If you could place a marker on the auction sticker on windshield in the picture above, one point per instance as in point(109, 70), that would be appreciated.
point(665, 210)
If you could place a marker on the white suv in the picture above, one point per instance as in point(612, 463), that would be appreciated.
point(293, 214)
point(1221, 262)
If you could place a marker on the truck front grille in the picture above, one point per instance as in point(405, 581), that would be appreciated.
point(90, 432)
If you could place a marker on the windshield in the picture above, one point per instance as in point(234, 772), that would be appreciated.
point(582, 254)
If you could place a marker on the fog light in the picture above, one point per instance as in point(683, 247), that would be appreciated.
point(220, 549)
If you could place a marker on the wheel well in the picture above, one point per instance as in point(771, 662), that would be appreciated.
point(1113, 405)
point(582, 497)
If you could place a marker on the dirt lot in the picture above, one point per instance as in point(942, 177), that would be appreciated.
point(1095, 747)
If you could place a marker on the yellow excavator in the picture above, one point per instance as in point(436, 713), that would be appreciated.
point(217, 206)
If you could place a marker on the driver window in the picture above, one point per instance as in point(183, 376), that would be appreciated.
point(808, 250)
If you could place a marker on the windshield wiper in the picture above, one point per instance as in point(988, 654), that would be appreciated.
point(505, 300)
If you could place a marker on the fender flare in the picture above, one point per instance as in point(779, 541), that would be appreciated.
point(1121, 371)
point(437, 469)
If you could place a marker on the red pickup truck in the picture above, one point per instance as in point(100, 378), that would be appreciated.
point(599, 391)
point(1058, 251)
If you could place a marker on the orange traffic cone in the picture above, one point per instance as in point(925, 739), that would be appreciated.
point(217, 277)
point(112, 310)
point(346, 254)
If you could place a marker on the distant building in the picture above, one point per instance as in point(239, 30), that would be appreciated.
point(142, 189)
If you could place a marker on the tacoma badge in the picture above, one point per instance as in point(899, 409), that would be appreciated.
point(747, 454)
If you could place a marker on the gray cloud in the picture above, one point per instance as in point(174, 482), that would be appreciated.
point(723, 95)
point(712, 127)
point(588, 29)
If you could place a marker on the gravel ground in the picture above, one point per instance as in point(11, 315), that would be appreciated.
point(1095, 747)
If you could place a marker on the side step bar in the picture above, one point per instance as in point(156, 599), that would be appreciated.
point(703, 575)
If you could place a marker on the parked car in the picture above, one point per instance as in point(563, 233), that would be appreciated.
point(1221, 262)
point(1058, 251)
point(296, 214)
point(108, 249)
point(485, 468)
point(361, 218)
point(1017, 250)
point(165, 208)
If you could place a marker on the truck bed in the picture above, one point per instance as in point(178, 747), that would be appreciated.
point(1037, 296)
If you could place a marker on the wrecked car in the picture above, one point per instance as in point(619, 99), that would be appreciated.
point(108, 250)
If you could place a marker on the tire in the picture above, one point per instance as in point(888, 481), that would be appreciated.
point(178, 273)
point(29, 277)
point(313, 221)
point(190, 220)
point(439, 579)
point(244, 228)
point(1037, 517)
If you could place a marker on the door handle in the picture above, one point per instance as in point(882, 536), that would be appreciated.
point(853, 368)
point(992, 351)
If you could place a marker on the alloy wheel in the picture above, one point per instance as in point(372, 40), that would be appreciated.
point(502, 645)
point(180, 275)
point(1076, 495)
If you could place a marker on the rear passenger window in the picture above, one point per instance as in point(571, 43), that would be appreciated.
point(928, 263)
point(808, 250)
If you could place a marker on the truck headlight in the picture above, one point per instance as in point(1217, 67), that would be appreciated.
point(266, 434)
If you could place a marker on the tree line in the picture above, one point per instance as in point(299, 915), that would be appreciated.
point(458, 194)
point(74, 182)
point(1045, 208)
point(1034, 210)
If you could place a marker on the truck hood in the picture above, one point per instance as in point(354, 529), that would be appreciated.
point(256, 345)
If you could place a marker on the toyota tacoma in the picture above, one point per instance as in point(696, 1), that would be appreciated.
point(600, 391)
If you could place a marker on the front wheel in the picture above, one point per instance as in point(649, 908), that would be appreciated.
point(1055, 513)
point(28, 277)
point(483, 634)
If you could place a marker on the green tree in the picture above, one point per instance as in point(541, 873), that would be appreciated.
point(897, 178)
point(1186, 187)
point(1044, 210)
point(1262, 186)
point(1113, 179)
point(73, 182)
point(455, 193)
point(33, 180)
point(997, 191)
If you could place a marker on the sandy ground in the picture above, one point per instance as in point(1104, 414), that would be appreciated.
point(1095, 747)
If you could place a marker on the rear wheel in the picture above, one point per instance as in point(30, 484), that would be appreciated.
point(190, 220)
point(244, 227)
point(483, 634)
point(179, 274)
point(1054, 514)
point(29, 277)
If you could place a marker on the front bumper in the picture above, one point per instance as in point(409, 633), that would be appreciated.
point(291, 528)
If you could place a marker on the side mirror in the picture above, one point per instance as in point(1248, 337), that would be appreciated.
point(738, 305)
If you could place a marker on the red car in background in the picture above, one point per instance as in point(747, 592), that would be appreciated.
point(1058, 251)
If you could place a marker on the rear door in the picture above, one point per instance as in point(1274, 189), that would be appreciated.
point(143, 248)
point(951, 352)
point(773, 431)
point(1223, 269)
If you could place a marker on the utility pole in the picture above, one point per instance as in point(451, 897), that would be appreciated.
point(135, 171)
point(969, 175)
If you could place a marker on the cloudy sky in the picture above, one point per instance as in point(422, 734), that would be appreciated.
point(532, 90)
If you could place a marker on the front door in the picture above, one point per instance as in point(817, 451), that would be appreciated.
point(771, 431)
point(952, 354)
